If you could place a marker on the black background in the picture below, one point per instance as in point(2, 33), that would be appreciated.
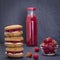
point(48, 16)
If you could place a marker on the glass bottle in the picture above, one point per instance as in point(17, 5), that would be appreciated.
point(31, 27)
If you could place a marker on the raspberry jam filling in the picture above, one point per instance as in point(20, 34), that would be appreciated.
point(12, 30)
point(13, 52)
point(15, 41)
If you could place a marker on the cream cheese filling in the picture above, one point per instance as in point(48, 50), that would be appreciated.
point(12, 43)
point(14, 54)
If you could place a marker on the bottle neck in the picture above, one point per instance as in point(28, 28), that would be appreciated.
point(31, 13)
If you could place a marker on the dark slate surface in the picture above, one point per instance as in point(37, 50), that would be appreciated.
point(27, 49)
point(48, 16)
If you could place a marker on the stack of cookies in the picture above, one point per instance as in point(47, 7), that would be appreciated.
point(14, 41)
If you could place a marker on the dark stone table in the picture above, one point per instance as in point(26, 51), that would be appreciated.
point(27, 49)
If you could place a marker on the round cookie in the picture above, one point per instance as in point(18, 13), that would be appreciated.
point(7, 44)
point(17, 55)
point(13, 30)
point(13, 34)
point(14, 52)
point(13, 27)
point(14, 49)
point(13, 39)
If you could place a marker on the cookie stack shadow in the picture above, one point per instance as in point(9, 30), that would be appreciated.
point(14, 41)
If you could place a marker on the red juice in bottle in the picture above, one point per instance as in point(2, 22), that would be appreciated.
point(31, 28)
